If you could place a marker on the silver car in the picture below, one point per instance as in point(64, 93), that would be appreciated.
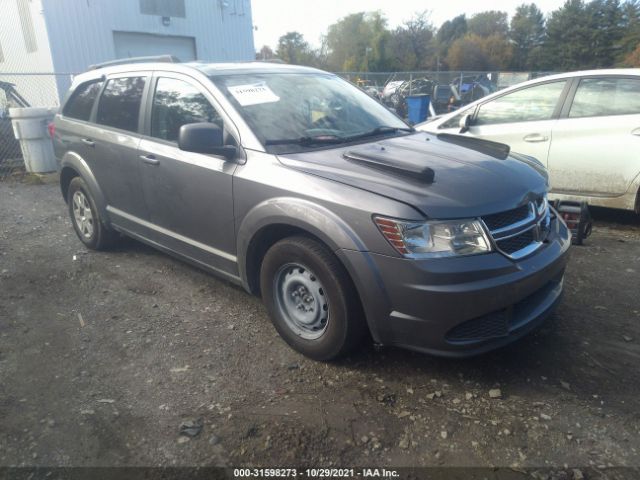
point(583, 126)
point(301, 188)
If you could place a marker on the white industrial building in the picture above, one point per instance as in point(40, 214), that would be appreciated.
point(66, 36)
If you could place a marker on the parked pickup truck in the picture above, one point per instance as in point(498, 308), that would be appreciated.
point(301, 188)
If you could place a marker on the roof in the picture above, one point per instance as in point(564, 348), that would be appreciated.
point(209, 69)
point(249, 67)
point(602, 71)
point(579, 73)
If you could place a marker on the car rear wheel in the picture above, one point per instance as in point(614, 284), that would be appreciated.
point(86, 220)
point(311, 299)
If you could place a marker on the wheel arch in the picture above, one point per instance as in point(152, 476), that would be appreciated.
point(73, 165)
point(275, 219)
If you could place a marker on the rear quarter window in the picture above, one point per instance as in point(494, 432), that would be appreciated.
point(81, 102)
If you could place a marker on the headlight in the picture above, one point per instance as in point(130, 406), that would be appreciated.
point(435, 239)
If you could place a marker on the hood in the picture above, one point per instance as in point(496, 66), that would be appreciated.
point(438, 176)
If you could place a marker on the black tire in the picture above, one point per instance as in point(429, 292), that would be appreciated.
point(101, 237)
point(345, 324)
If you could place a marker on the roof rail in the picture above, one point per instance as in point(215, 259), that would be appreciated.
point(124, 61)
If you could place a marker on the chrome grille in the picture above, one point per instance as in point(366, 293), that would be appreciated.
point(514, 244)
point(520, 231)
point(504, 219)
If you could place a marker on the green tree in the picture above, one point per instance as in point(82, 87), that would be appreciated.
point(606, 19)
point(358, 42)
point(632, 59)
point(631, 28)
point(294, 49)
point(473, 52)
point(467, 53)
point(527, 35)
point(452, 29)
point(583, 35)
point(411, 45)
point(487, 23)
point(498, 50)
point(567, 43)
point(448, 33)
point(265, 53)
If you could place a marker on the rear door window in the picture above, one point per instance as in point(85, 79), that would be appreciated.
point(597, 97)
point(119, 105)
point(177, 103)
point(80, 104)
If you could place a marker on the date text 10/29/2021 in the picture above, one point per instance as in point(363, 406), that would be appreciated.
point(328, 473)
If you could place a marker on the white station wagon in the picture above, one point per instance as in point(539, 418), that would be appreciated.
point(583, 126)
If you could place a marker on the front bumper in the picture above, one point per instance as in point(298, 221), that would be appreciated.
point(459, 306)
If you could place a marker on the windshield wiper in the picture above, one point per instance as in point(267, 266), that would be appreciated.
point(306, 141)
point(381, 130)
point(333, 139)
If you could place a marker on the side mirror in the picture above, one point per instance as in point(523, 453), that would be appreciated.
point(205, 138)
point(465, 122)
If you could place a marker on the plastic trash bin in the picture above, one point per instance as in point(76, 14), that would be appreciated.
point(30, 129)
point(418, 108)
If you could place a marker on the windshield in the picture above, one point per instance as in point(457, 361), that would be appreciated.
point(292, 112)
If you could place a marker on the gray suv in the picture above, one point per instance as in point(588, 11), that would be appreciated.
point(301, 188)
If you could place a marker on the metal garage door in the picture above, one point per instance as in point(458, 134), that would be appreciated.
point(133, 44)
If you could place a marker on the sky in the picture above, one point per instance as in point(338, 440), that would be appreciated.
point(274, 18)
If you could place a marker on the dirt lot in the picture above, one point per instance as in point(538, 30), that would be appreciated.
point(104, 355)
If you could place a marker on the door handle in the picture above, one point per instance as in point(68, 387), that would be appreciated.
point(89, 142)
point(535, 138)
point(636, 132)
point(150, 159)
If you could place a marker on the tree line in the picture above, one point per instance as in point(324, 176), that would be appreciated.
point(578, 35)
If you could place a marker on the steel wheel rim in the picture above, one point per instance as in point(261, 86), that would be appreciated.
point(82, 214)
point(301, 300)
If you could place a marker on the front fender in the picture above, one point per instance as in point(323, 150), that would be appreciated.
point(73, 161)
point(295, 212)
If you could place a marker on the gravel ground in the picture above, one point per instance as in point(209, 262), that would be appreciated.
point(103, 356)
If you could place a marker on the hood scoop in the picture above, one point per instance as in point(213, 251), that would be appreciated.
point(499, 151)
point(408, 163)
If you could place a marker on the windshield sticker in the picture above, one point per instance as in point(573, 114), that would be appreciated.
point(253, 94)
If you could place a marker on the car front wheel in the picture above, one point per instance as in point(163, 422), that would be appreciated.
point(311, 299)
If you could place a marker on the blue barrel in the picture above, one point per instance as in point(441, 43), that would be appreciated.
point(418, 108)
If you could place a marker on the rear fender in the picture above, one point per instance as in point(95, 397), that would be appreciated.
point(75, 162)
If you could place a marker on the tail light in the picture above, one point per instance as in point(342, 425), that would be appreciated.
point(51, 128)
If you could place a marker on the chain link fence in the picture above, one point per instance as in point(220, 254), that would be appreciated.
point(19, 90)
point(447, 90)
point(497, 78)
